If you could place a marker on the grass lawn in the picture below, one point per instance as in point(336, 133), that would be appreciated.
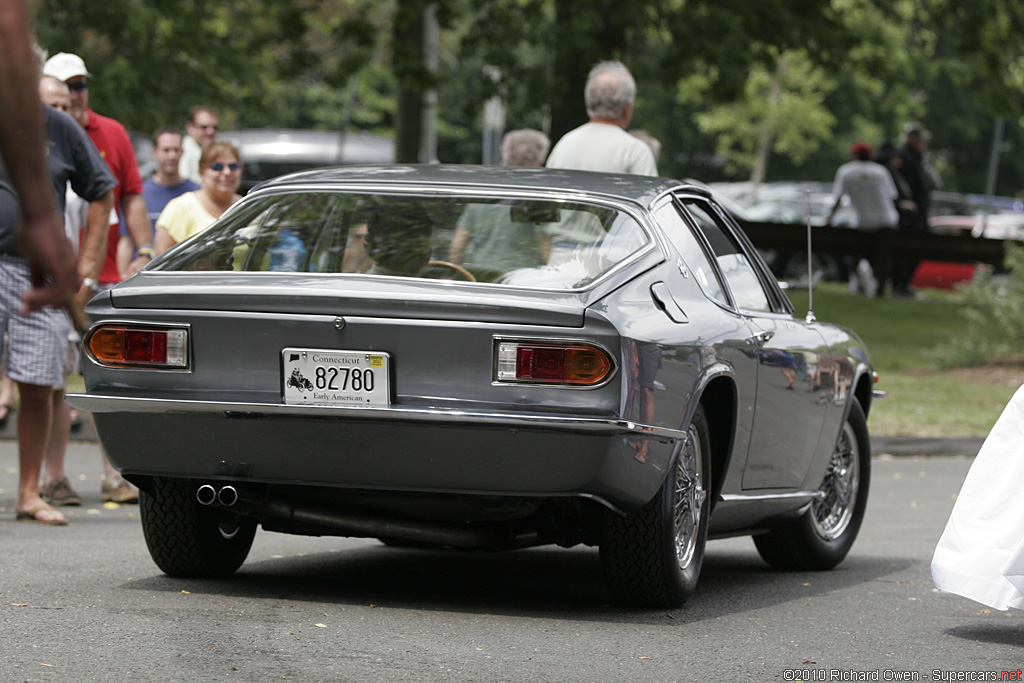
point(902, 335)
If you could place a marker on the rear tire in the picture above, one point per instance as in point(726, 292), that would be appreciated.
point(187, 539)
point(653, 556)
point(822, 536)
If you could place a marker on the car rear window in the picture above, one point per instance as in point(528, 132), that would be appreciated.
point(530, 242)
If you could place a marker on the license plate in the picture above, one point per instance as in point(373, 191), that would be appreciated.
point(335, 378)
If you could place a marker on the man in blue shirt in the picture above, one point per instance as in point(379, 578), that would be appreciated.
point(164, 185)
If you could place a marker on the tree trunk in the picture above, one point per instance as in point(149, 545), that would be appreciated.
point(764, 150)
point(408, 55)
point(585, 34)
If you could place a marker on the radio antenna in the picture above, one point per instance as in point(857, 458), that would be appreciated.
point(810, 266)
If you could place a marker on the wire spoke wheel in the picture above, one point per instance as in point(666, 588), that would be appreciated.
point(653, 556)
point(689, 497)
point(831, 514)
point(822, 536)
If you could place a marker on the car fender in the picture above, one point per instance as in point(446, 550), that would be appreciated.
point(716, 388)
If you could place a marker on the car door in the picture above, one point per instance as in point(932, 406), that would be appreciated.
point(790, 406)
point(711, 322)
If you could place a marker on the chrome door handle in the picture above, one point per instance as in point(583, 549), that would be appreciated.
point(760, 339)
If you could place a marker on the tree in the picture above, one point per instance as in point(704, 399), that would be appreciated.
point(781, 109)
point(954, 65)
point(153, 61)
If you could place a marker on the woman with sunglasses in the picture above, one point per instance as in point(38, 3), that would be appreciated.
point(220, 170)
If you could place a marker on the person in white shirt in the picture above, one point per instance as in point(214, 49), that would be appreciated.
point(873, 195)
point(870, 187)
point(602, 144)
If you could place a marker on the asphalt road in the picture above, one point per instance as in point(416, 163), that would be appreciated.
point(85, 603)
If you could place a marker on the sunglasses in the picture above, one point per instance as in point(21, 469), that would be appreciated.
point(218, 166)
point(78, 86)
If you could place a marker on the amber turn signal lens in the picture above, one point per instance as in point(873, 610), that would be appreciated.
point(559, 364)
point(141, 347)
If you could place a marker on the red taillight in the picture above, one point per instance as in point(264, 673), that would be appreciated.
point(127, 346)
point(564, 364)
point(144, 346)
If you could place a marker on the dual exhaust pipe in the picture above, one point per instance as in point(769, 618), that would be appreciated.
point(225, 496)
point(321, 520)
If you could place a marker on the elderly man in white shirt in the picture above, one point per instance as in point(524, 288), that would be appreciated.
point(602, 144)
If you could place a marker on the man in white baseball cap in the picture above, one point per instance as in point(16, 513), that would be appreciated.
point(64, 65)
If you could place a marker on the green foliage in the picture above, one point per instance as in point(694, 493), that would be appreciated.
point(984, 39)
point(954, 65)
point(781, 106)
point(152, 61)
point(992, 316)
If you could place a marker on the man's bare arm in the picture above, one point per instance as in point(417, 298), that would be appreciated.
point(140, 229)
point(93, 249)
point(41, 237)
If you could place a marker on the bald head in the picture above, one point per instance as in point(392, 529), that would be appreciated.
point(54, 93)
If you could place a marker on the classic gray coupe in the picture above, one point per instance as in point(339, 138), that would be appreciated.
point(477, 357)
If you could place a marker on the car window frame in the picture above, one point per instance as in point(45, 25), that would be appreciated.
point(678, 253)
point(778, 302)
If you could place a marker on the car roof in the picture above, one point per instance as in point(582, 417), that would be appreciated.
point(633, 188)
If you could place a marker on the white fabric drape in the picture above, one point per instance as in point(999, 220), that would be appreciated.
point(981, 552)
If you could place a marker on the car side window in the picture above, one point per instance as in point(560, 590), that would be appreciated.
point(738, 271)
point(693, 255)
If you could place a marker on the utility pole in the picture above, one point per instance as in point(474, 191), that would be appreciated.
point(494, 122)
point(993, 159)
point(428, 145)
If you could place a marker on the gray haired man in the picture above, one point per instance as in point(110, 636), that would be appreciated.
point(602, 144)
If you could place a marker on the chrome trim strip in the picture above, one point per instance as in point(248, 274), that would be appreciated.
point(588, 425)
point(749, 497)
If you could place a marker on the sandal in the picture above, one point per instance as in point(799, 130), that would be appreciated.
point(33, 515)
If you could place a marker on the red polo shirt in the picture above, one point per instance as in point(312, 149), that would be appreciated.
point(112, 140)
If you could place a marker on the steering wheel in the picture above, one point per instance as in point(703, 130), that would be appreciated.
point(454, 266)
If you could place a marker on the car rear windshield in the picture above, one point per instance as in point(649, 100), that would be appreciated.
point(530, 242)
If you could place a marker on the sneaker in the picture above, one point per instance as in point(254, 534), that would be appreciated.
point(116, 490)
point(59, 492)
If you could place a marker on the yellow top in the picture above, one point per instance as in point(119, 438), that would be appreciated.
point(184, 216)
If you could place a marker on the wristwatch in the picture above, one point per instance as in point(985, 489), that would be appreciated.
point(92, 283)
